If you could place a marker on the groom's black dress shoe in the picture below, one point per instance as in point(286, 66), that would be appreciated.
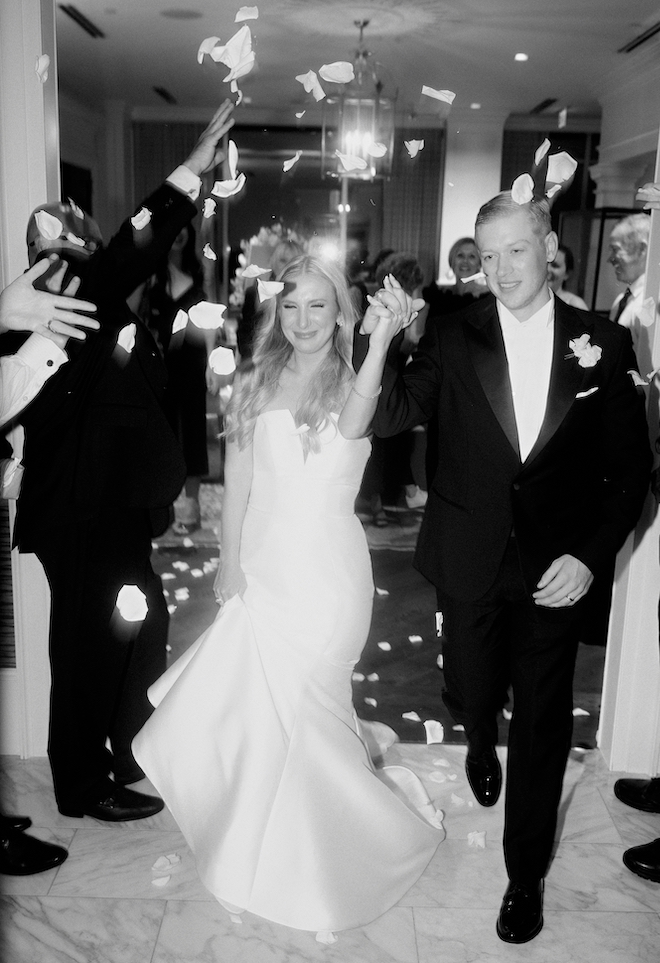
point(641, 794)
point(116, 804)
point(521, 913)
point(484, 774)
point(644, 860)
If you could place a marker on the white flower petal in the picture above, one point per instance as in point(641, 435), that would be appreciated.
point(440, 661)
point(580, 712)
point(650, 193)
point(376, 149)
point(180, 322)
point(553, 190)
point(301, 430)
point(358, 677)
point(166, 576)
point(385, 646)
point(371, 702)
point(477, 839)
point(222, 361)
point(228, 188)
point(78, 211)
point(339, 72)
point(181, 566)
point(49, 226)
point(458, 728)
point(560, 167)
point(209, 207)
point(141, 219)
point(412, 716)
point(350, 162)
point(232, 159)
point(311, 84)
point(247, 13)
point(209, 253)
point(380, 591)
point(132, 603)
point(522, 189)
point(252, 271)
point(41, 67)
point(207, 315)
point(188, 543)
point(206, 46)
point(457, 800)
point(415, 639)
point(161, 881)
point(268, 289)
point(74, 239)
point(435, 731)
point(446, 95)
point(126, 337)
point(414, 146)
point(373, 677)
point(300, 113)
point(237, 54)
point(288, 164)
point(541, 151)
point(508, 714)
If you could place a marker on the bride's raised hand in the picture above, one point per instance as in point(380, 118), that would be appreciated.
point(229, 581)
point(389, 311)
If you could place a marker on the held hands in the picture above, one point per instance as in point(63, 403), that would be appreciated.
point(565, 582)
point(389, 312)
point(206, 154)
point(229, 581)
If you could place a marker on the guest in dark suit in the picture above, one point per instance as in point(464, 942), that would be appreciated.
point(542, 471)
point(102, 468)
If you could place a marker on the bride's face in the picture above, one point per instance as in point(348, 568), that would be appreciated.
point(308, 314)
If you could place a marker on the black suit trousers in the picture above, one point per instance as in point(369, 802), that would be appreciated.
point(101, 665)
point(502, 640)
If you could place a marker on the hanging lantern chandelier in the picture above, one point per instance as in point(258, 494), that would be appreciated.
point(359, 120)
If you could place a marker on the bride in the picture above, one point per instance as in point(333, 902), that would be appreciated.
point(254, 745)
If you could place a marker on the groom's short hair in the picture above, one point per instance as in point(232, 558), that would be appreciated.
point(503, 205)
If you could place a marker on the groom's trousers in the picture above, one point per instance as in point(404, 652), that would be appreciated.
point(504, 639)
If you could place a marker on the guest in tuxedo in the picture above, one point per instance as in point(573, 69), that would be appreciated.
point(102, 467)
point(543, 471)
point(627, 255)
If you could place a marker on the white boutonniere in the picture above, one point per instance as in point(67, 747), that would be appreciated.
point(587, 354)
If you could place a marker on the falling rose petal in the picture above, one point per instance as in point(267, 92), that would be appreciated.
point(300, 114)
point(239, 93)
point(180, 321)
point(371, 702)
point(78, 211)
point(268, 289)
point(163, 862)
point(327, 937)
point(206, 46)
point(74, 239)
point(171, 609)
point(247, 13)
point(141, 219)
point(351, 162)
point(288, 164)
point(437, 777)
point(132, 603)
point(553, 190)
point(301, 430)
point(167, 576)
point(560, 167)
point(126, 337)
point(446, 95)
point(380, 591)
point(161, 881)
point(439, 619)
point(232, 159)
point(477, 839)
point(373, 677)
point(376, 149)
point(479, 276)
point(452, 776)
point(414, 146)
point(650, 193)
point(435, 731)
point(253, 271)
point(182, 566)
point(208, 210)
point(49, 226)
point(458, 728)
point(209, 253)
point(41, 67)
point(182, 594)
point(339, 72)
point(188, 543)
point(442, 762)
point(358, 677)
point(237, 54)
point(222, 361)
point(457, 800)
point(385, 646)
point(411, 716)
point(637, 379)
point(207, 315)
point(440, 661)
point(415, 639)
point(581, 712)
point(228, 188)
point(311, 84)
point(541, 152)
point(522, 189)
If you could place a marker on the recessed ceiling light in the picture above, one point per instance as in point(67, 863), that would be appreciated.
point(179, 14)
point(521, 56)
point(475, 106)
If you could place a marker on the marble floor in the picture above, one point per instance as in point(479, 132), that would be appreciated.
point(107, 904)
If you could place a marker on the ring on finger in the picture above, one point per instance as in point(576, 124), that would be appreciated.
point(50, 324)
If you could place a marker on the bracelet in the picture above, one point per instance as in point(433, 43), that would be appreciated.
point(366, 397)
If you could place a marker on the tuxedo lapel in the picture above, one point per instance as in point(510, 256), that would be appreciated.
point(566, 375)
point(486, 347)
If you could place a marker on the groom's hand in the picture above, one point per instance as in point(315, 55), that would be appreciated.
point(563, 583)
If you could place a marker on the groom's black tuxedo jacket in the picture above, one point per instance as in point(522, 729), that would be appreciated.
point(580, 490)
point(97, 437)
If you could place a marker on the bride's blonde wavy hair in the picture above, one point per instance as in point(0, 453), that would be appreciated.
point(258, 379)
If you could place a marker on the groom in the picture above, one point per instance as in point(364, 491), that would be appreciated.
point(543, 465)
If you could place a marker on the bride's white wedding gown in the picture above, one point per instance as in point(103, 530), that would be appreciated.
point(254, 744)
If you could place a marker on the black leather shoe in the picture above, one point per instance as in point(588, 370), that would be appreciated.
point(641, 794)
point(22, 855)
point(19, 823)
point(484, 774)
point(644, 860)
point(521, 913)
point(117, 805)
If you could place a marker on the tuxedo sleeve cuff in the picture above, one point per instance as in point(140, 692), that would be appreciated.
point(183, 179)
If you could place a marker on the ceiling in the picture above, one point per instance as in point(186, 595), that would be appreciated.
point(467, 46)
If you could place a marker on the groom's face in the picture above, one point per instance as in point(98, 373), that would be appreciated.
point(515, 258)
